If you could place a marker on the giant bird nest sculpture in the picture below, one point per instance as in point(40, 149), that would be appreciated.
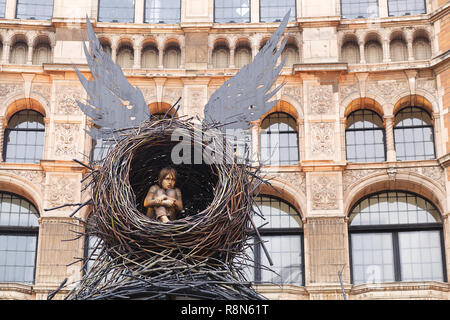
point(201, 254)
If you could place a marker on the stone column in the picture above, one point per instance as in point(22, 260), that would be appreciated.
point(362, 53)
point(30, 53)
point(137, 57)
point(386, 51)
point(255, 126)
point(409, 43)
point(232, 66)
point(113, 52)
point(5, 53)
point(390, 145)
point(301, 139)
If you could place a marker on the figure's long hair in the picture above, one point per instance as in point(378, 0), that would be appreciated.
point(164, 173)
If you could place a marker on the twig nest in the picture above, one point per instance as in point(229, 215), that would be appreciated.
point(217, 196)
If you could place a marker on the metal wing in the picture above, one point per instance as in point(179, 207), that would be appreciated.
point(245, 97)
point(113, 103)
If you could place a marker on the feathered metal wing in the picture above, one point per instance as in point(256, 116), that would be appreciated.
point(245, 97)
point(113, 103)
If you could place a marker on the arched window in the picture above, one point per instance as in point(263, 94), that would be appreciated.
point(279, 140)
point(167, 11)
point(149, 57)
point(282, 234)
point(350, 52)
point(413, 134)
point(116, 11)
point(18, 239)
point(221, 57)
point(242, 56)
point(365, 137)
point(373, 52)
point(421, 48)
point(34, 9)
point(24, 137)
point(172, 57)
point(396, 236)
point(125, 56)
point(19, 53)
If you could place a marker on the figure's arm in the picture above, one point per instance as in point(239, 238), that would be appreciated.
point(150, 199)
point(179, 200)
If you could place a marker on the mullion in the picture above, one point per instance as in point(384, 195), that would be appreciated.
point(396, 256)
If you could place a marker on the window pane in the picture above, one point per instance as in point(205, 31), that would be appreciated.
point(2, 9)
point(34, 9)
point(17, 258)
point(420, 256)
point(352, 9)
point(271, 11)
point(372, 258)
point(276, 213)
point(406, 7)
point(116, 11)
point(162, 11)
point(226, 11)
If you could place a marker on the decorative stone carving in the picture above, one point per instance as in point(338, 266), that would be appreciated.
point(295, 92)
point(435, 173)
point(61, 190)
point(320, 99)
point(172, 94)
point(296, 179)
point(7, 89)
point(43, 90)
point(346, 91)
point(324, 192)
point(322, 139)
point(387, 89)
point(149, 93)
point(66, 139)
point(34, 176)
point(66, 99)
point(349, 177)
point(428, 85)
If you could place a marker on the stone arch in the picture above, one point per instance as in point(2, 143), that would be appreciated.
point(20, 102)
point(283, 106)
point(424, 100)
point(364, 103)
point(21, 186)
point(286, 191)
point(349, 104)
point(405, 181)
point(294, 103)
point(160, 107)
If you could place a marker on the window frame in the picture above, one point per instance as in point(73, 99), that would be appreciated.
point(403, 15)
point(7, 131)
point(364, 17)
point(394, 128)
point(2, 16)
point(258, 251)
point(268, 162)
point(145, 10)
point(394, 230)
point(28, 18)
point(249, 13)
point(98, 14)
point(294, 17)
point(382, 129)
point(23, 231)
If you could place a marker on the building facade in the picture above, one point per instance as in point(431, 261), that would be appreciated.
point(358, 146)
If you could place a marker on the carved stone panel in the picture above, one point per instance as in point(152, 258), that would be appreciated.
point(66, 99)
point(7, 89)
point(320, 99)
point(61, 189)
point(324, 192)
point(67, 137)
point(387, 89)
point(322, 140)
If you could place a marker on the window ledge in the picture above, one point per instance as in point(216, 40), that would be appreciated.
point(15, 291)
point(404, 287)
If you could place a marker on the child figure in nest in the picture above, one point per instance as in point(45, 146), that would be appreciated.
point(163, 201)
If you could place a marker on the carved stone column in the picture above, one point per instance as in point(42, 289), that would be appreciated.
point(254, 129)
point(30, 54)
point(386, 51)
point(232, 66)
point(5, 53)
point(362, 53)
point(137, 57)
point(390, 145)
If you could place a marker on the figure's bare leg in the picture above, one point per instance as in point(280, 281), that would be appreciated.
point(161, 212)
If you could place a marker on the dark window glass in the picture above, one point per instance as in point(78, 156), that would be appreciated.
point(18, 239)
point(92, 246)
point(396, 236)
point(231, 11)
point(279, 140)
point(271, 11)
point(283, 237)
point(24, 137)
point(2, 8)
point(413, 135)
point(406, 7)
point(167, 11)
point(116, 11)
point(34, 9)
point(100, 149)
point(353, 9)
point(364, 137)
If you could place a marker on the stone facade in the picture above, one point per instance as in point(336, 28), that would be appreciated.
point(320, 90)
